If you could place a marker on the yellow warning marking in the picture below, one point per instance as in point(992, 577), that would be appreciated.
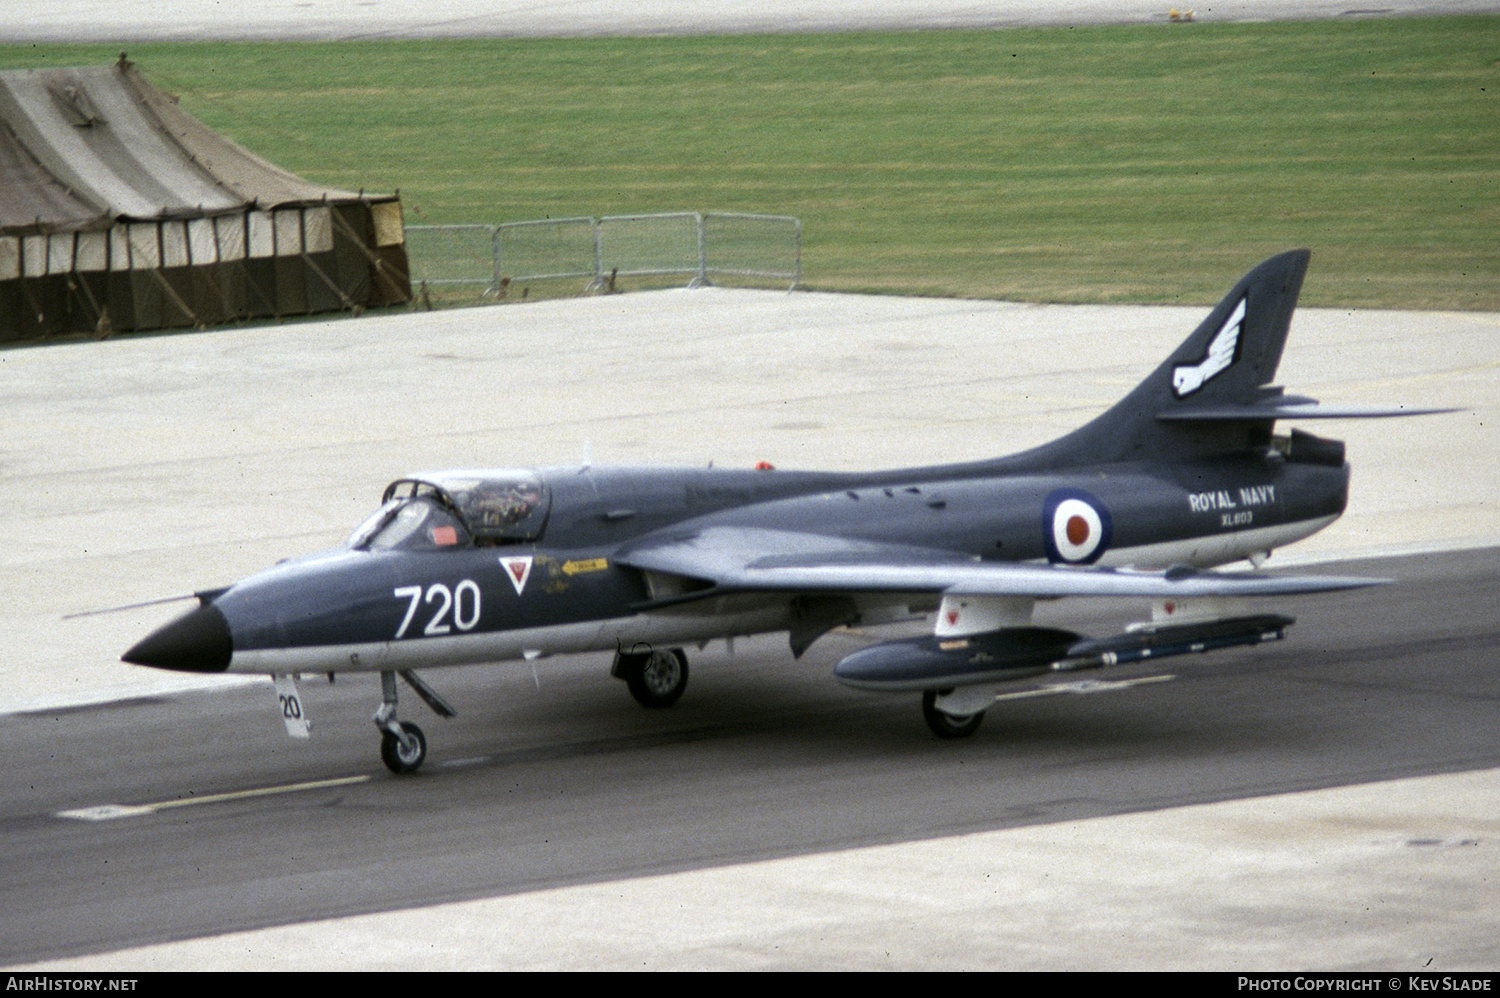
point(589, 565)
point(105, 812)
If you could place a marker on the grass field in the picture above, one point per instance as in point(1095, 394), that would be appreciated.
point(1147, 163)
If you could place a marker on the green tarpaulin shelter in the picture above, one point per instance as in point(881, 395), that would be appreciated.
point(119, 211)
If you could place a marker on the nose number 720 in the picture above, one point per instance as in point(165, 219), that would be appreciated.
point(459, 604)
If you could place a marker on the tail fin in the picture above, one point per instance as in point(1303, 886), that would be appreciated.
point(1228, 361)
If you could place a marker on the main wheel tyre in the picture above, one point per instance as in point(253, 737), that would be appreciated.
point(404, 755)
point(946, 725)
point(657, 678)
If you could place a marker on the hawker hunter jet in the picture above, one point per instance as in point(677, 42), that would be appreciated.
point(1184, 474)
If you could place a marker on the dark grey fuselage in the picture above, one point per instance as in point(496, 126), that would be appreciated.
point(340, 609)
point(1184, 471)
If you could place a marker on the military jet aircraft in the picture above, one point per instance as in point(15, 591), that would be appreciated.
point(1184, 474)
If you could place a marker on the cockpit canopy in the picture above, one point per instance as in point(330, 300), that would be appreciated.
point(451, 508)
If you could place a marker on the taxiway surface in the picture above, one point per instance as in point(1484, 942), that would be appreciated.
point(562, 788)
point(148, 466)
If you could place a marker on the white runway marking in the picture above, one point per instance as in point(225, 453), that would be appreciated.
point(108, 812)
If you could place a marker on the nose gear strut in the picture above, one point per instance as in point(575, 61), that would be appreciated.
point(403, 747)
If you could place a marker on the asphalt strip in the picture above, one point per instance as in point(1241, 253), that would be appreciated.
point(1377, 876)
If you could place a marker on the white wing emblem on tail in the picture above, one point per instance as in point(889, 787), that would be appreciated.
point(1188, 378)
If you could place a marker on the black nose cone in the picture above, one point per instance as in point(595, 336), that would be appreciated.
point(198, 641)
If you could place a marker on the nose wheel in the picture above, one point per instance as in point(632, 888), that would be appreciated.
point(404, 752)
point(403, 747)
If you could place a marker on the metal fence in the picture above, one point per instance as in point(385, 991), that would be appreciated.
point(700, 246)
point(451, 254)
point(546, 249)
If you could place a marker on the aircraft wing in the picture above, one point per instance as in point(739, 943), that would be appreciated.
point(750, 559)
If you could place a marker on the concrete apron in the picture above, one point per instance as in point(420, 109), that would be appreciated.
point(75, 21)
point(154, 466)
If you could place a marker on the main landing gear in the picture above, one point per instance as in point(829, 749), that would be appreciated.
point(403, 747)
point(946, 725)
point(656, 677)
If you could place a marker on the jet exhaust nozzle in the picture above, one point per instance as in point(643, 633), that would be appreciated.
point(198, 641)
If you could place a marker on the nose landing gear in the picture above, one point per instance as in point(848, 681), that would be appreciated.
point(403, 747)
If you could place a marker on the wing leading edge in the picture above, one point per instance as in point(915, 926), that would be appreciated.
point(747, 559)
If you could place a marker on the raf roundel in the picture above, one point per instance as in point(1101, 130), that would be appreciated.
point(1076, 527)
